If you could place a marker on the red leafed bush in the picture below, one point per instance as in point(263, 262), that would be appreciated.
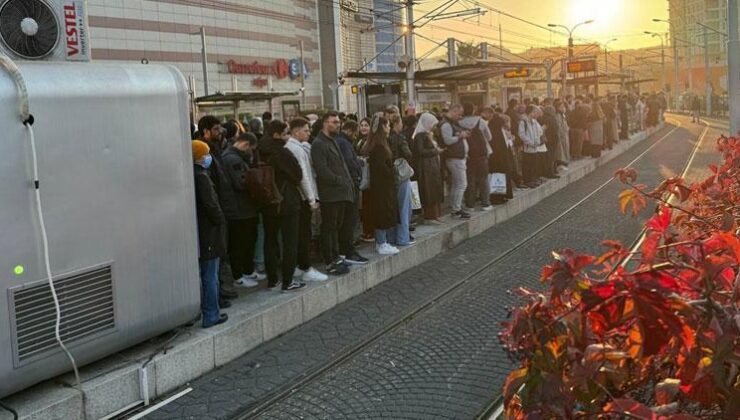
point(648, 333)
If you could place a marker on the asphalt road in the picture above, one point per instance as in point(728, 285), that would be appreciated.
point(445, 362)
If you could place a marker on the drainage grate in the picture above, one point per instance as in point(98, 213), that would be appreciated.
point(86, 302)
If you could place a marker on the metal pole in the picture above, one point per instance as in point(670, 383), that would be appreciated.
point(621, 75)
point(570, 58)
point(204, 59)
point(662, 64)
point(303, 79)
point(500, 40)
point(410, 83)
point(733, 61)
point(707, 78)
point(606, 61)
point(675, 70)
point(548, 72)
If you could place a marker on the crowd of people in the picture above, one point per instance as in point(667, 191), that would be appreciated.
point(269, 191)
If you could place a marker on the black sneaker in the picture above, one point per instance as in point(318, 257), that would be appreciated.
point(355, 259)
point(223, 304)
point(337, 268)
point(221, 319)
point(293, 286)
point(463, 215)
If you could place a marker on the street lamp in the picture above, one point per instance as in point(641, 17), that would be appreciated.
point(570, 47)
point(675, 61)
point(662, 57)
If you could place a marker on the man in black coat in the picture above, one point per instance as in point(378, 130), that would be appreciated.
point(237, 159)
point(211, 227)
point(336, 194)
point(211, 133)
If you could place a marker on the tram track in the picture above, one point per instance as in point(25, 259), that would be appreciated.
point(283, 393)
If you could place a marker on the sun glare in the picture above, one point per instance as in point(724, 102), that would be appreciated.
point(604, 12)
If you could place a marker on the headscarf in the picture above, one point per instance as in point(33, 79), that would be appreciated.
point(426, 124)
point(550, 111)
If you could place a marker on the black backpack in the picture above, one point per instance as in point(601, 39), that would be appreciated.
point(477, 143)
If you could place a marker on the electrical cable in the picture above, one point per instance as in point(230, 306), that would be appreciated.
point(10, 410)
point(28, 120)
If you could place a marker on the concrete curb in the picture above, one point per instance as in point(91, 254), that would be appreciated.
point(116, 382)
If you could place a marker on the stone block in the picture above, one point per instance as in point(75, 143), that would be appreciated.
point(379, 271)
point(319, 299)
point(352, 284)
point(46, 401)
point(242, 333)
point(282, 317)
point(187, 360)
point(108, 393)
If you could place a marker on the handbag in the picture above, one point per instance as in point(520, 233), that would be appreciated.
point(415, 197)
point(404, 171)
point(497, 182)
point(365, 177)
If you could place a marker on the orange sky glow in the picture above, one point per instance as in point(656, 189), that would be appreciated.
point(625, 20)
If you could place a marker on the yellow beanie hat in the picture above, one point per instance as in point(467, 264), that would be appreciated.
point(200, 149)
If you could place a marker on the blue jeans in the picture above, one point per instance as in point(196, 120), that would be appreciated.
point(382, 235)
point(401, 231)
point(209, 291)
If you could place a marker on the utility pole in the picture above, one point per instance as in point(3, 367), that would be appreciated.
point(500, 39)
point(410, 83)
point(570, 48)
point(733, 61)
point(204, 59)
point(303, 79)
point(707, 75)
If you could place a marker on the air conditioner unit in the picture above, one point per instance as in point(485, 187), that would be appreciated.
point(54, 30)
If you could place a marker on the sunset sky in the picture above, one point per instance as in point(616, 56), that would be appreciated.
point(625, 20)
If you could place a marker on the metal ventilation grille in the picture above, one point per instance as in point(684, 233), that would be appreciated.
point(86, 302)
point(29, 28)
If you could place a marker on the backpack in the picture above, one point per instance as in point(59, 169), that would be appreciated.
point(261, 185)
point(477, 143)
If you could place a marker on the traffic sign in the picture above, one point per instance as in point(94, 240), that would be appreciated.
point(522, 72)
point(581, 66)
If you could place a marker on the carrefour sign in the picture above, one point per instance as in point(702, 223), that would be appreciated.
point(280, 68)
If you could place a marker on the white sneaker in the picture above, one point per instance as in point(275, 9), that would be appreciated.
point(387, 249)
point(245, 281)
point(314, 275)
point(486, 208)
point(256, 276)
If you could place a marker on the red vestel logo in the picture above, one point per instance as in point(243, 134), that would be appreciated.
point(70, 30)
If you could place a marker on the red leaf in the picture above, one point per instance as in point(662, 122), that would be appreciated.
point(631, 407)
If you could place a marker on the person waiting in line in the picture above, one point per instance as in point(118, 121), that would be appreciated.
point(552, 136)
point(296, 144)
point(530, 132)
point(383, 210)
point(501, 159)
point(478, 189)
point(242, 235)
point(368, 232)
point(256, 127)
point(428, 169)
point(282, 220)
point(455, 154)
point(401, 152)
point(596, 130)
point(562, 157)
point(336, 194)
point(211, 233)
point(344, 139)
point(212, 133)
point(542, 148)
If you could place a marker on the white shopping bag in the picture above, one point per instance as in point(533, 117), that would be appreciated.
point(497, 181)
point(415, 197)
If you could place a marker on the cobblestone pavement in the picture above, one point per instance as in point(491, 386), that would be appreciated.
point(446, 362)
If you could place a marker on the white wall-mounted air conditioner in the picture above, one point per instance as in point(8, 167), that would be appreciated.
point(52, 30)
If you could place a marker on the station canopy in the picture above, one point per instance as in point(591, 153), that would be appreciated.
point(221, 98)
point(470, 73)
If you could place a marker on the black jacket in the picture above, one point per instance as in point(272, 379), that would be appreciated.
point(333, 179)
point(211, 221)
point(236, 163)
point(288, 174)
point(222, 183)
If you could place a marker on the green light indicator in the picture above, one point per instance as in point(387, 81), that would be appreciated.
point(19, 270)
